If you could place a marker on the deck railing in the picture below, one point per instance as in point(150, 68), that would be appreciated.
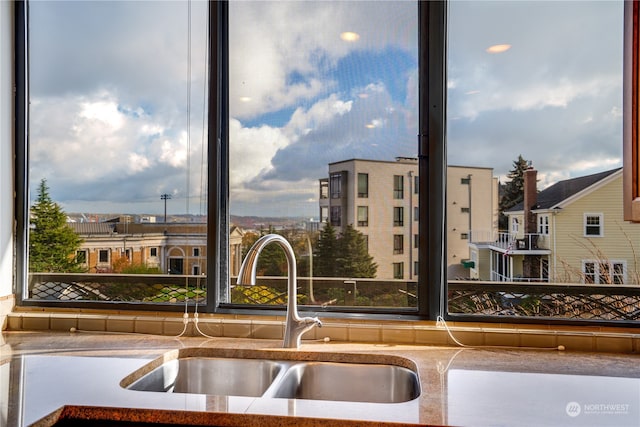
point(468, 297)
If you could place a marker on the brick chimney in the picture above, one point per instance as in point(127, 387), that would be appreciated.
point(530, 199)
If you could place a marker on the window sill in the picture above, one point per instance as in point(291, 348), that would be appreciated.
point(389, 332)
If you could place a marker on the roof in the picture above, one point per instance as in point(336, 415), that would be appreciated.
point(563, 190)
point(92, 227)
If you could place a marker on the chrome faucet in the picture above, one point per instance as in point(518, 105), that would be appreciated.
point(295, 325)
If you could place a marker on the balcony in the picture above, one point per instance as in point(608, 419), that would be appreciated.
point(512, 242)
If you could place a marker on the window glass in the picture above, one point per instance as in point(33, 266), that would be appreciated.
point(534, 119)
point(116, 145)
point(324, 92)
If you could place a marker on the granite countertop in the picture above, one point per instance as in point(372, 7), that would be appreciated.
point(77, 376)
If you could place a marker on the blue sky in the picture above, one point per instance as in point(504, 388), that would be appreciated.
point(109, 89)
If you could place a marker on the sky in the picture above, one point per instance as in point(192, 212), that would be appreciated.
point(117, 96)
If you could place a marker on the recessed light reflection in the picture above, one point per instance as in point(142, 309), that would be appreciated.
point(472, 92)
point(350, 36)
point(245, 99)
point(363, 95)
point(370, 126)
point(498, 48)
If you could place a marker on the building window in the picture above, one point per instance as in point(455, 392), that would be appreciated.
point(324, 189)
point(81, 257)
point(336, 216)
point(103, 256)
point(416, 184)
point(416, 241)
point(465, 181)
point(336, 185)
point(464, 236)
point(363, 185)
point(195, 270)
point(543, 225)
point(416, 213)
point(363, 216)
point(398, 244)
point(153, 252)
point(196, 252)
point(398, 216)
point(416, 268)
point(604, 272)
point(515, 225)
point(398, 270)
point(324, 214)
point(593, 224)
point(398, 187)
point(465, 210)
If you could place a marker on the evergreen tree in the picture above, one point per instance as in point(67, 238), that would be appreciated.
point(354, 259)
point(513, 190)
point(52, 243)
point(325, 253)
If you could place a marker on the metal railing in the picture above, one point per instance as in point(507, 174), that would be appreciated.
point(511, 241)
point(466, 297)
point(545, 301)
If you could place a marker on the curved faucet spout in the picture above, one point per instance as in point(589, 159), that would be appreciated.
point(295, 325)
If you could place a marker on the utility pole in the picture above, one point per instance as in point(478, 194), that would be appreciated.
point(165, 197)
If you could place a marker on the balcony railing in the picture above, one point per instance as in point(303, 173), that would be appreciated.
point(510, 241)
point(475, 298)
point(551, 301)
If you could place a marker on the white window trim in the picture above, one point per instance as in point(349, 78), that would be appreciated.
point(601, 224)
point(543, 225)
point(515, 224)
point(597, 264)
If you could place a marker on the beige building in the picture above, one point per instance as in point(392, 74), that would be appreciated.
point(380, 199)
point(572, 232)
point(174, 248)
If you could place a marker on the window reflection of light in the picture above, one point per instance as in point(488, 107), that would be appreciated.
point(245, 99)
point(498, 48)
point(350, 36)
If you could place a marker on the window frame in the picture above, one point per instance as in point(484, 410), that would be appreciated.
point(586, 226)
point(543, 224)
point(432, 19)
point(363, 216)
point(363, 181)
point(398, 187)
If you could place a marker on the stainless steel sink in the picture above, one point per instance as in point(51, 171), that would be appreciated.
point(189, 372)
point(206, 375)
point(349, 382)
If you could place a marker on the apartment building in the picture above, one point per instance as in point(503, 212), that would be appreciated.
point(381, 200)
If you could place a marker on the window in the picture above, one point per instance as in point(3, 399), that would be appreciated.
point(604, 272)
point(336, 186)
point(464, 236)
point(324, 214)
point(398, 270)
point(416, 241)
point(398, 216)
point(153, 252)
point(363, 185)
point(103, 256)
point(465, 181)
point(195, 270)
point(416, 184)
point(363, 216)
point(543, 225)
point(465, 210)
point(593, 225)
point(324, 189)
point(336, 216)
point(196, 252)
point(398, 187)
point(515, 225)
point(398, 244)
point(416, 268)
point(416, 213)
point(81, 257)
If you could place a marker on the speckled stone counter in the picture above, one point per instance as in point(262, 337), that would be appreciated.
point(76, 376)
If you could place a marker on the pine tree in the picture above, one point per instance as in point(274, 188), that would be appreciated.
point(354, 259)
point(325, 253)
point(52, 243)
point(513, 190)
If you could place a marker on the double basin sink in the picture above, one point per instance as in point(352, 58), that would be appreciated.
point(286, 375)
